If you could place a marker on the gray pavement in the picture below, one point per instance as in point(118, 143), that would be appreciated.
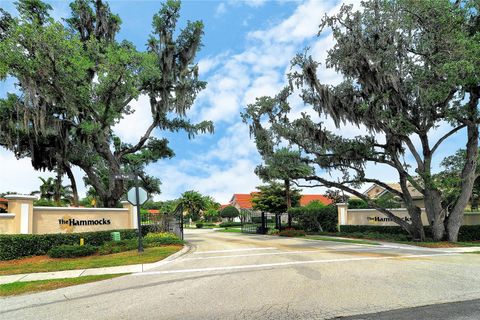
point(235, 276)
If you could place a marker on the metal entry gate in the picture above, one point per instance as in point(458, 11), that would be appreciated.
point(260, 222)
point(165, 222)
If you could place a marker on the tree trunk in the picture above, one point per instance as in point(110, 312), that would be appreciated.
point(415, 229)
point(73, 183)
point(455, 218)
point(435, 213)
point(58, 186)
point(289, 201)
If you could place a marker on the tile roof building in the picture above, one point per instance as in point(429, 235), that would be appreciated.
point(244, 200)
point(3, 204)
point(375, 191)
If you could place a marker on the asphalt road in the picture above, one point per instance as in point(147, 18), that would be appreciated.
point(463, 310)
point(235, 276)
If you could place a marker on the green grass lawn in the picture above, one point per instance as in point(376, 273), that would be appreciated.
point(16, 288)
point(441, 244)
point(233, 230)
point(46, 264)
point(322, 238)
point(394, 238)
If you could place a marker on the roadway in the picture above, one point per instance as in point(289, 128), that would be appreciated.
point(237, 276)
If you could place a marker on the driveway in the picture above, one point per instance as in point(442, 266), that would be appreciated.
point(238, 276)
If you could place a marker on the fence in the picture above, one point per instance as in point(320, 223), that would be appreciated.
point(260, 222)
point(165, 222)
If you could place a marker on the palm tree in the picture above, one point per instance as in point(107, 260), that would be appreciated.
point(51, 190)
point(193, 203)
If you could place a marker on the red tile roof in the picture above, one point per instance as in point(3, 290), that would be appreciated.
point(244, 200)
point(3, 200)
point(307, 198)
point(153, 211)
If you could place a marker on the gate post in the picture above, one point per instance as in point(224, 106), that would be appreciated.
point(342, 211)
point(264, 223)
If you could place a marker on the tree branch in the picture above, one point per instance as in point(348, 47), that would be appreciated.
point(140, 143)
point(448, 134)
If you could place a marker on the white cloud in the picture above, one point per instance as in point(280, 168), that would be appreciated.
point(19, 176)
point(255, 3)
point(220, 9)
point(134, 125)
point(226, 168)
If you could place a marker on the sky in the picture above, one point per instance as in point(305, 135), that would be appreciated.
point(247, 48)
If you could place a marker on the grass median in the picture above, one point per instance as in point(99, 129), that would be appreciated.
point(322, 238)
point(17, 288)
point(46, 264)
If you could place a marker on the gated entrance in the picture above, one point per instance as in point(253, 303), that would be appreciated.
point(260, 222)
point(165, 222)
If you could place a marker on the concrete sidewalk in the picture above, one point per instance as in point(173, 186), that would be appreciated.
point(134, 268)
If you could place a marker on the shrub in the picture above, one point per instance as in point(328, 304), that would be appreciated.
point(230, 224)
point(160, 239)
point(199, 225)
point(466, 233)
point(229, 212)
point(44, 203)
point(469, 233)
point(357, 204)
point(209, 224)
point(292, 233)
point(316, 218)
point(272, 231)
point(71, 251)
point(118, 246)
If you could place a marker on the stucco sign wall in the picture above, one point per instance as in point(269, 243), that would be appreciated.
point(373, 217)
point(22, 217)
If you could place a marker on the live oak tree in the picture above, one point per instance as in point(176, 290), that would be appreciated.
point(285, 165)
point(76, 81)
point(408, 67)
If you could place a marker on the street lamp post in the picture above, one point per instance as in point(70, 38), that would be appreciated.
point(139, 220)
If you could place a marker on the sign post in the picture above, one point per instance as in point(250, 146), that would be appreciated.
point(136, 196)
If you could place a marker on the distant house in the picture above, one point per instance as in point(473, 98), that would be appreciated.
point(3, 205)
point(375, 191)
point(244, 200)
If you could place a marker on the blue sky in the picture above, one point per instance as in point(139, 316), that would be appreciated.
point(246, 53)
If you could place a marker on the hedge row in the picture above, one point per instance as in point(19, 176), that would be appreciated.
point(230, 224)
point(13, 246)
point(466, 233)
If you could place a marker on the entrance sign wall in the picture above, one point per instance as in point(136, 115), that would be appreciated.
point(23, 217)
point(372, 217)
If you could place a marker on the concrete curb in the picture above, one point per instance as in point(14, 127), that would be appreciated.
point(148, 266)
point(132, 268)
